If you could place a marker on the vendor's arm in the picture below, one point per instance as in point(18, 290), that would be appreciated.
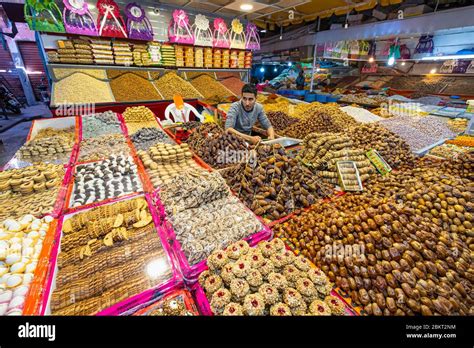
point(266, 124)
point(232, 115)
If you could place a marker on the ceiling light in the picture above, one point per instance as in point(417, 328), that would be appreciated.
point(371, 59)
point(263, 30)
point(275, 69)
point(403, 63)
point(262, 69)
point(391, 60)
point(246, 7)
point(290, 64)
point(433, 71)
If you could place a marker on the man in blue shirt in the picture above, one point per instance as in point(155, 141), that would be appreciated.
point(243, 114)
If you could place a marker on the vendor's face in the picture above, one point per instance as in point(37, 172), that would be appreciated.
point(248, 101)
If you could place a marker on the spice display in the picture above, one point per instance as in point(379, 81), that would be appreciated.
point(274, 185)
point(216, 148)
point(164, 162)
point(100, 124)
point(320, 119)
point(401, 263)
point(210, 88)
point(448, 150)
point(170, 84)
point(61, 73)
point(20, 248)
point(146, 137)
point(233, 84)
point(30, 190)
point(212, 226)
point(418, 132)
point(360, 114)
point(458, 125)
point(324, 151)
point(280, 120)
point(390, 146)
point(101, 147)
point(266, 280)
point(97, 181)
point(130, 87)
point(103, 254)
point(79, 88)
point(462, 140)
point(361, 98)
point(193, 189)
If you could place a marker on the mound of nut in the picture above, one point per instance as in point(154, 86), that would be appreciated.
point(388, 257)
point(30, 190)
point(320, 119)
point(21, 242)
point(391, 147)
point(193, 189)
point(97, 181)
point(266, 280)
point(212, 226)
point(323, 151)
point(163, 162)
point(143, 138)
point(105, 256)
point(100, 124)
point(274, 185)
point(102, 146)
point(138, 114)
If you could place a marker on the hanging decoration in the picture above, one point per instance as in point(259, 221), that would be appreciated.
point(78, 19)
point(237, 37)
point(202, 31)
point(138, 24)
point(253, 39)
point(425, 44)
point(110, 22)
point(179, 30)
point(43, 15)
point(221, 37)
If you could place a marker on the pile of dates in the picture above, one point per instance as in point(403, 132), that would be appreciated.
point(274, 185)
point(280, 120)
point(391, 147)
point(403, 263)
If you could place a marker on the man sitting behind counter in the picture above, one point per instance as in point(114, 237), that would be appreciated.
point(243, 114)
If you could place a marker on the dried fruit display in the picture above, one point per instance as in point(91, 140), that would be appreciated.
point(362, 98)
point(164, 162)
point(110, 178)
point(30, 190)
point(321, 119)
point(79, 88)
point(390, 146)
point(144, 138)
point(418, 132)
point(216, 147)
point(20, 248)
point(103, 254)
point(323, 151)
point(280, 120)
point(266, 280)
point(458, 125)
point(448, 150)
point(210, 88)
point(100, 124)
point(462, 140)
point(131, 87)
point(436, 193)
point(212, 226)
point(274, 185)
point(170, 84)
point(460, 165)
point(391, 260)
